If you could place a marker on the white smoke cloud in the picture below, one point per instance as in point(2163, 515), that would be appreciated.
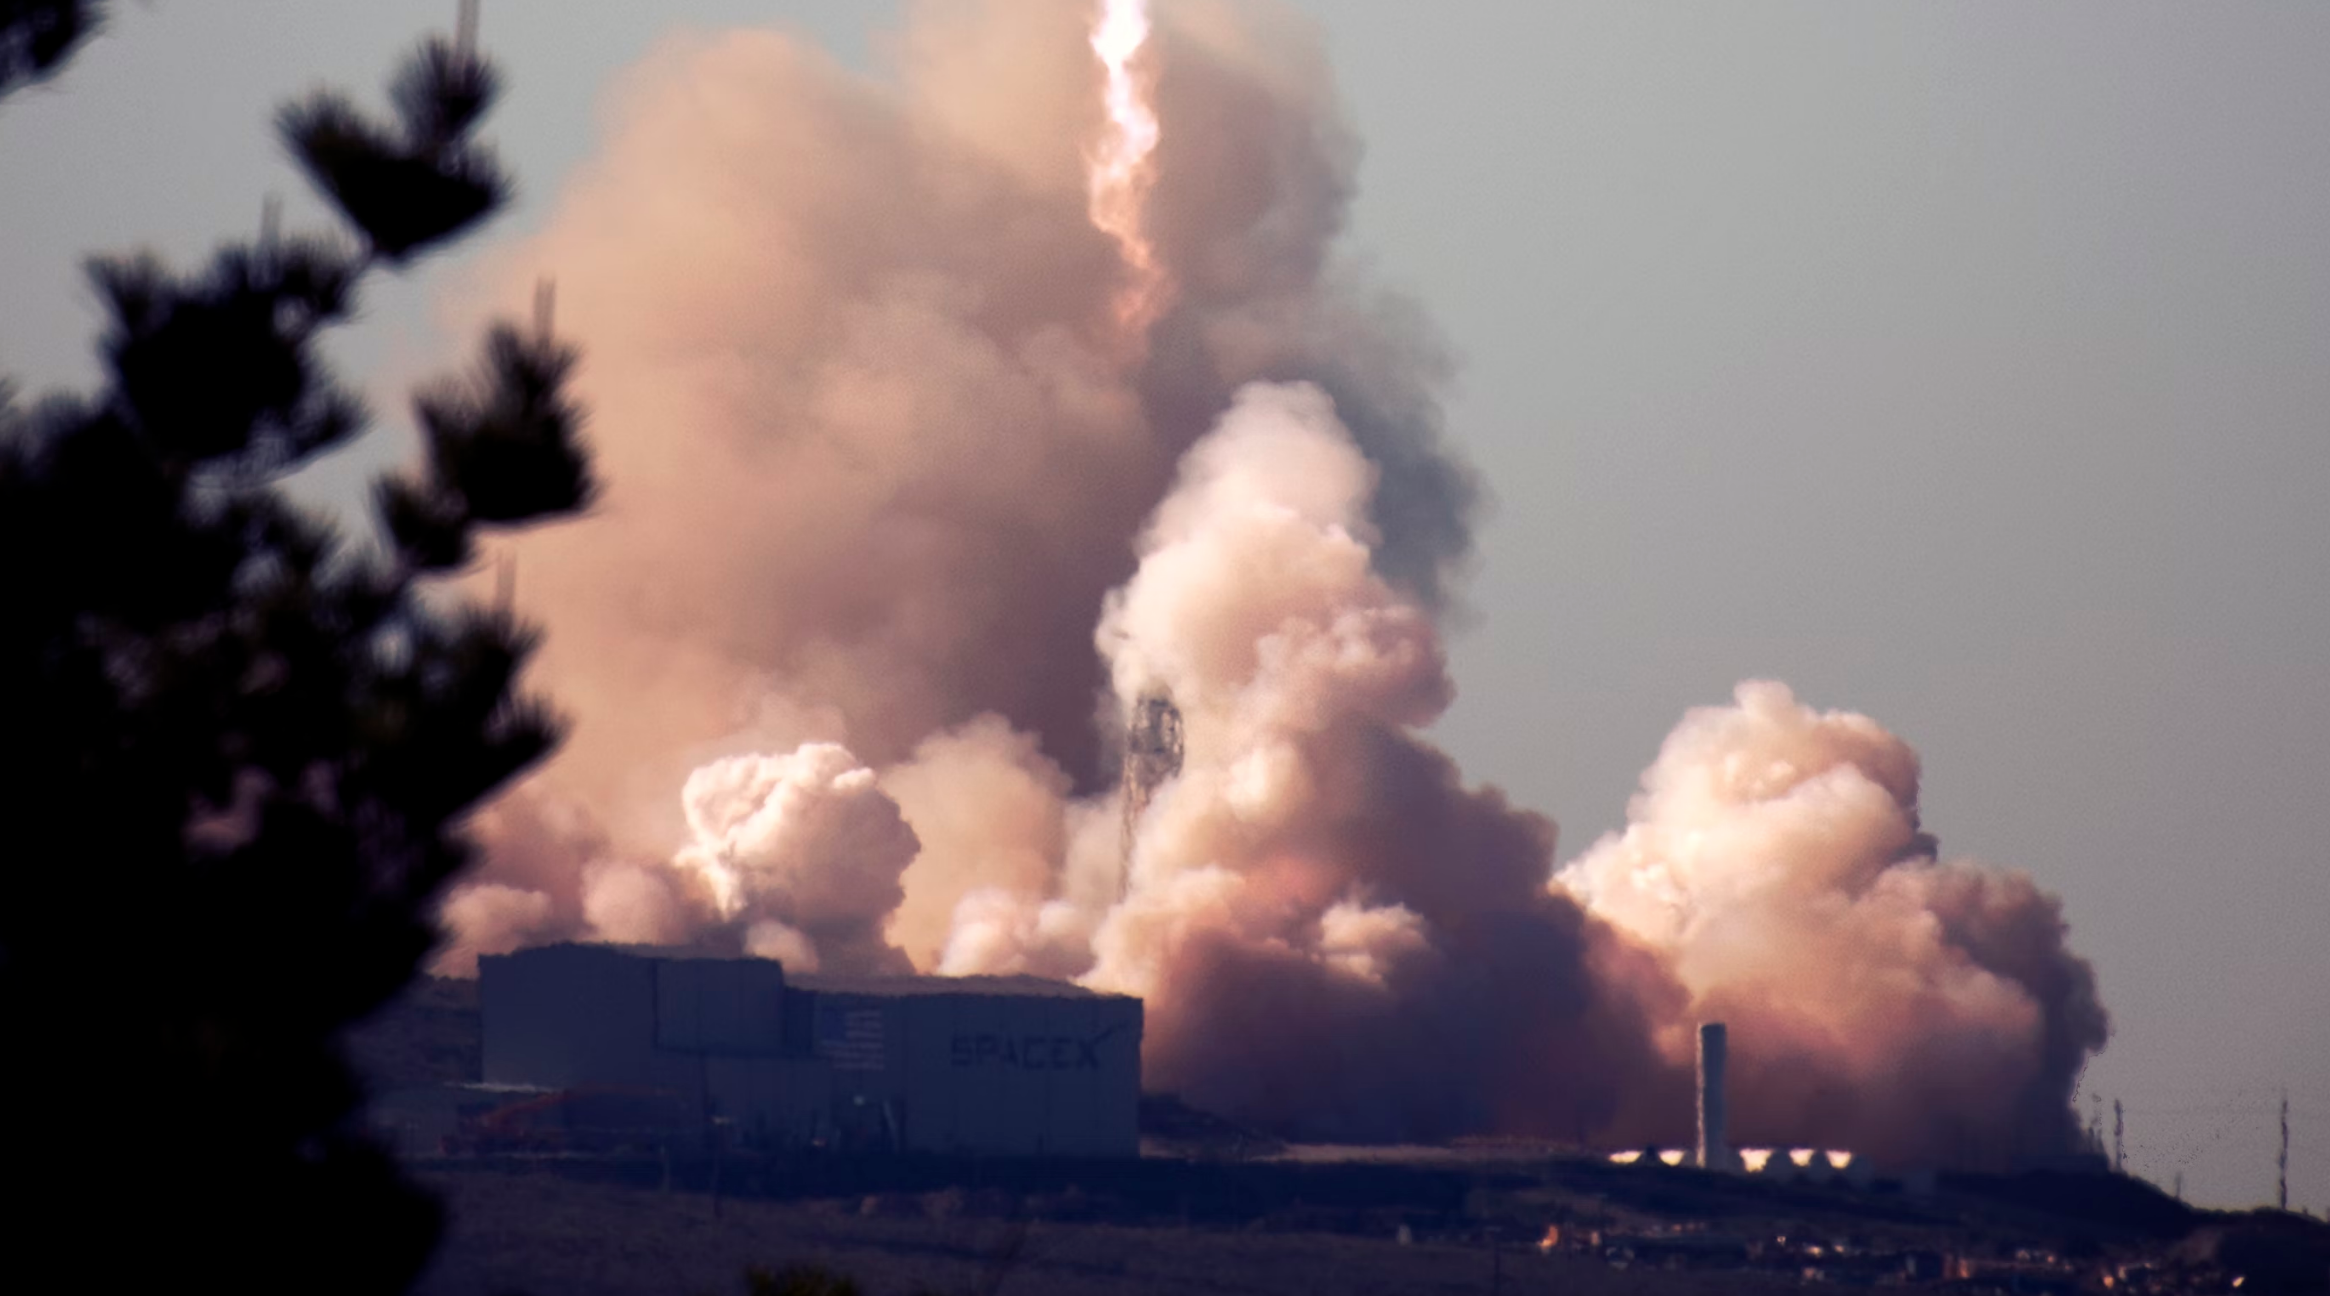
point(803, 853)
point(898, 528)
point(1876, 994)
point(991, 811)
point(494, 918)
point(1288, 878)
point(637, 904)
point(874, 451)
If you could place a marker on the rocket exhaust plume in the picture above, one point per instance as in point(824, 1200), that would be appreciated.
point(927, 422)
point(1122, 168)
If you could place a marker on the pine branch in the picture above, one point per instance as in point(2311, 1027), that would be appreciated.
point(38, 37)
point(411, 185)
point(236, 753)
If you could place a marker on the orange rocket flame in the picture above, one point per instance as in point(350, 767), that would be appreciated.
point(1122, 170)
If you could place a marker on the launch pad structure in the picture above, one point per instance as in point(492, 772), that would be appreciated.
point(1152, 758)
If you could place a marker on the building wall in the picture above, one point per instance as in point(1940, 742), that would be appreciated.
point(569, 1015)
point(724, 1007)
point(771, 1102)
point(913, 1064)
point(1009, 1075)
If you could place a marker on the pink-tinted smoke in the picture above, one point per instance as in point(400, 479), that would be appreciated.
point(1917, 1008)
point(1336, 936)
point(874, 450)
point(896, 527)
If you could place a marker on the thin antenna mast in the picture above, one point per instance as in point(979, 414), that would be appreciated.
point(2281, 1195)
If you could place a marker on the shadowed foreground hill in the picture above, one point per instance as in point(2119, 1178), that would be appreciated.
point(547, 1232)
point(543, 1234)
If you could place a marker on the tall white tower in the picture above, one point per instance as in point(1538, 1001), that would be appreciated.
point(1714, 1134)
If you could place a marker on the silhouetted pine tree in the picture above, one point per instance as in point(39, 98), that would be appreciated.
point(238, 748)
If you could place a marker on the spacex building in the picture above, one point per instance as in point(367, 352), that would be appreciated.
point(1005, 1066)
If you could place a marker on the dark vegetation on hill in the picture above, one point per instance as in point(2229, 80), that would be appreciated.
point(1277, 1226)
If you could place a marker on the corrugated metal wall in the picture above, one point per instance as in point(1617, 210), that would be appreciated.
point(1005, 1075)
point(916, 1068)
point(569, 1015)
point(728, 1007)
point(772, 1102)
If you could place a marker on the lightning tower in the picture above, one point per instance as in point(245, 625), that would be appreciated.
point(1152, 758)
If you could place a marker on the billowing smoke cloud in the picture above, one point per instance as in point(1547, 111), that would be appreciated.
point(1336, 937)
point(802, 852)
point(992, 813)
point(873, 446)
point(1920, 1009)
point(903, 517)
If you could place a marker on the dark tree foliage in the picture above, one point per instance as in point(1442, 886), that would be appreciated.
point(800, 1280)
point(236, 750)
point(37, 36)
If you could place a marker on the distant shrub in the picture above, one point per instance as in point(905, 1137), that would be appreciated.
point(800, 1280)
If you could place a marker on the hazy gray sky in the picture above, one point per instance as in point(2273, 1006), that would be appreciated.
point(1964, 365)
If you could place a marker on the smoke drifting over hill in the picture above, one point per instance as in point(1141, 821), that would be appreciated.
point(907, 507)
